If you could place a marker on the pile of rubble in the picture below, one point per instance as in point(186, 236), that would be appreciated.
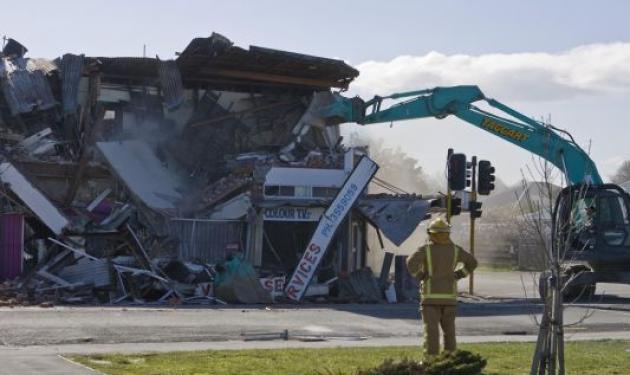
point(127, 179)
point(193, 180)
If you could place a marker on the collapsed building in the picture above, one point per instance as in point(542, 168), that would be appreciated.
point(141, 179)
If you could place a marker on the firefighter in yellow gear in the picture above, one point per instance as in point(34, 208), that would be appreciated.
point(438, 265)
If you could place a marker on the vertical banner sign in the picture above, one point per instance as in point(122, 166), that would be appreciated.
point(327, 226)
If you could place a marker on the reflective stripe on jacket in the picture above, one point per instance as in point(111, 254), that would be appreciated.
point(435, 266)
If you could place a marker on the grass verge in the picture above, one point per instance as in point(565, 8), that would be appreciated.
point(584, 357)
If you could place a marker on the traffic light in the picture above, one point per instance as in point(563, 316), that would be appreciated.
point(475, 209)
point(457, 172)
point(456, 206)
point(486, 177)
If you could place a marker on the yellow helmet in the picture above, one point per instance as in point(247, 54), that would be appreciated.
point(439, 225)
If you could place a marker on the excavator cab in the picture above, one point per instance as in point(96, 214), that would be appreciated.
point(593, 222)
point(591, 231)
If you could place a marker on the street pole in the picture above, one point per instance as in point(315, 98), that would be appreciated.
point(448, 187)
point(473, 198)
point(448, 206)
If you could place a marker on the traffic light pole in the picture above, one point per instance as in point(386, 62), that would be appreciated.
point(473, 198)
point(449, 196)
point(449, 203)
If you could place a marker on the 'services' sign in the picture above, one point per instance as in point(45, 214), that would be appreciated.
point(274, 285)
point(327, 226)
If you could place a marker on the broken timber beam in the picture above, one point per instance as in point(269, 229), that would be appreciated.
point(267, 77)
point(65, 170)
point(86, 155)
point(78, 177)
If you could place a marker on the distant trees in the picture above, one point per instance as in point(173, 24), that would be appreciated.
point(623, 173)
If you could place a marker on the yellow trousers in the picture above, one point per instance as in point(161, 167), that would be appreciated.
point(433, 317)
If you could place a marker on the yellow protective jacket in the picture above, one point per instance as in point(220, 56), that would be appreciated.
point(434, 265)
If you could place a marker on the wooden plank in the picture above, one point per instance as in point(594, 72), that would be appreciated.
point(266, 77)
point(78, 176)
point(90, 125)
point(65, 170)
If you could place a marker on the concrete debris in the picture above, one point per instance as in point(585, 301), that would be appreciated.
point(192, 180)
point(236, 282)
point(360, 286)
point(407, 288)
point(13, 48)
point(40, 143)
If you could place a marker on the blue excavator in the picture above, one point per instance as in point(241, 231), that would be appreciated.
point(590, 220)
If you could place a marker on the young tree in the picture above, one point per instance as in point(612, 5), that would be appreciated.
point(554, 223)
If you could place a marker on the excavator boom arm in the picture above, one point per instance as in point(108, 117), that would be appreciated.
point(536, 137)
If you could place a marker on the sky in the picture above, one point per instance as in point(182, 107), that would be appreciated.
point(564, 60)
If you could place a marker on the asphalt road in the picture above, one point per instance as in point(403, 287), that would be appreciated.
point(505, 307)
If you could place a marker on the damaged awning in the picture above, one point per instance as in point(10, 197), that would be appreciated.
point(395, 216)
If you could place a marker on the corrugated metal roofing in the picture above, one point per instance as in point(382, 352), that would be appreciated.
point(89, 271)
point(171, 84)
point(144, 174)
point(25, 85)
point(71, 67)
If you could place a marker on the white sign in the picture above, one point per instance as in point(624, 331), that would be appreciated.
point(327, 226)
point(292, 213)
point(274, 285)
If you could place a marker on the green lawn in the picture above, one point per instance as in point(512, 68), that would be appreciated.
point(591, 357)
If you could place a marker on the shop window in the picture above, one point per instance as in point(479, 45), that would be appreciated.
point(284, 191)
point(109, 115)
point(272, 190)
point(324, 192)
point(303, 191)
point(287, 191)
